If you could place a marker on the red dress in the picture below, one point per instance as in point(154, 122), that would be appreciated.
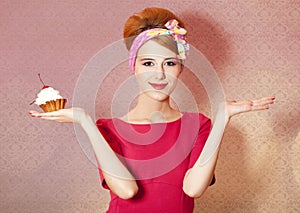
point(158, 155)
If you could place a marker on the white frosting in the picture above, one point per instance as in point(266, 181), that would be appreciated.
point(47, 94)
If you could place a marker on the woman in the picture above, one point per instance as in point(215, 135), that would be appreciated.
point(169, 143)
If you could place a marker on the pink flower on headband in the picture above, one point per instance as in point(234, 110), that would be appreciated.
point(173, 29)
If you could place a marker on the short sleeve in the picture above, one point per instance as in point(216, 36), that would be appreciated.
point(103, 126)
point(204, 130)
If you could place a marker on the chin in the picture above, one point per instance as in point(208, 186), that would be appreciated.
point(158, 96)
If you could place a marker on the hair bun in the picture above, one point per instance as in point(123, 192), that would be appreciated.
point(148, 18)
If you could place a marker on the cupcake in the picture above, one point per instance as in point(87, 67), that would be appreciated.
point(49, 99)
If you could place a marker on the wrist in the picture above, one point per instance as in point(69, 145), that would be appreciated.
point(84, 119)
point(223, 114)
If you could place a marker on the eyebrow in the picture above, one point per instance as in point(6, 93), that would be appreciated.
point(149, 59)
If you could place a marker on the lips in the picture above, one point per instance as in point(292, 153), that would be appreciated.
point(158, 86)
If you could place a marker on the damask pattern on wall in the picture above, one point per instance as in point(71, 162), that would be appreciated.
point(254, 47)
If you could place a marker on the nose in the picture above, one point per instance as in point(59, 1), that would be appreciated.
point(160, 73)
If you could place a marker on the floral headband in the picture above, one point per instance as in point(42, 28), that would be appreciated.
point(173, 29)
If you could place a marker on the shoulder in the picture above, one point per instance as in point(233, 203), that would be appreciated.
point(201, 119)
point(103, 122)
point(105, 125)
point(204, 121)
point(106, 128)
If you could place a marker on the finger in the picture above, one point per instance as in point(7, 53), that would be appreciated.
point(246, 103)
point(271, 98)
point(49, 118)
point(231, 101)
point(267, 98)
point(262, 102)
point(47, 114)
point(255, 105)
point(56, 119)
point(36, 114)
point(33, 111)
point(260, 107)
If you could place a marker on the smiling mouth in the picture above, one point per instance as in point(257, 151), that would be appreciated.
point(158, 86)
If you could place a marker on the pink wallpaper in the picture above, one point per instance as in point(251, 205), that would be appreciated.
point(254, 46)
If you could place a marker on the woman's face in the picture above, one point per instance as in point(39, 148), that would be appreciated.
point(157, 70)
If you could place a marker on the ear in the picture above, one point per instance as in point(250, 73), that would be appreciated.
point(182, 65)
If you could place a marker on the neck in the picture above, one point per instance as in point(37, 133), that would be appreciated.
point(151, 110)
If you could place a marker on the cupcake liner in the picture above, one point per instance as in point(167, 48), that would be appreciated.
point(54, 105)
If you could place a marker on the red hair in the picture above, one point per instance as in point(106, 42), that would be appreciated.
point(148, 18)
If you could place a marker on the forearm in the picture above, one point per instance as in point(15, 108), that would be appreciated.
point(116, 175)
point(198, 178)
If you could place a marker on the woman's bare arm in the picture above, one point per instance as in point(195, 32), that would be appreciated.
point(117, 177)
point(198, 178)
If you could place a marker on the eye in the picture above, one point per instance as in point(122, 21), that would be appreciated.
point(148, 63)
point(171, 63)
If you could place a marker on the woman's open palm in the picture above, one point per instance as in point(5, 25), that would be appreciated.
point(236, 107)
point(70, 115)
